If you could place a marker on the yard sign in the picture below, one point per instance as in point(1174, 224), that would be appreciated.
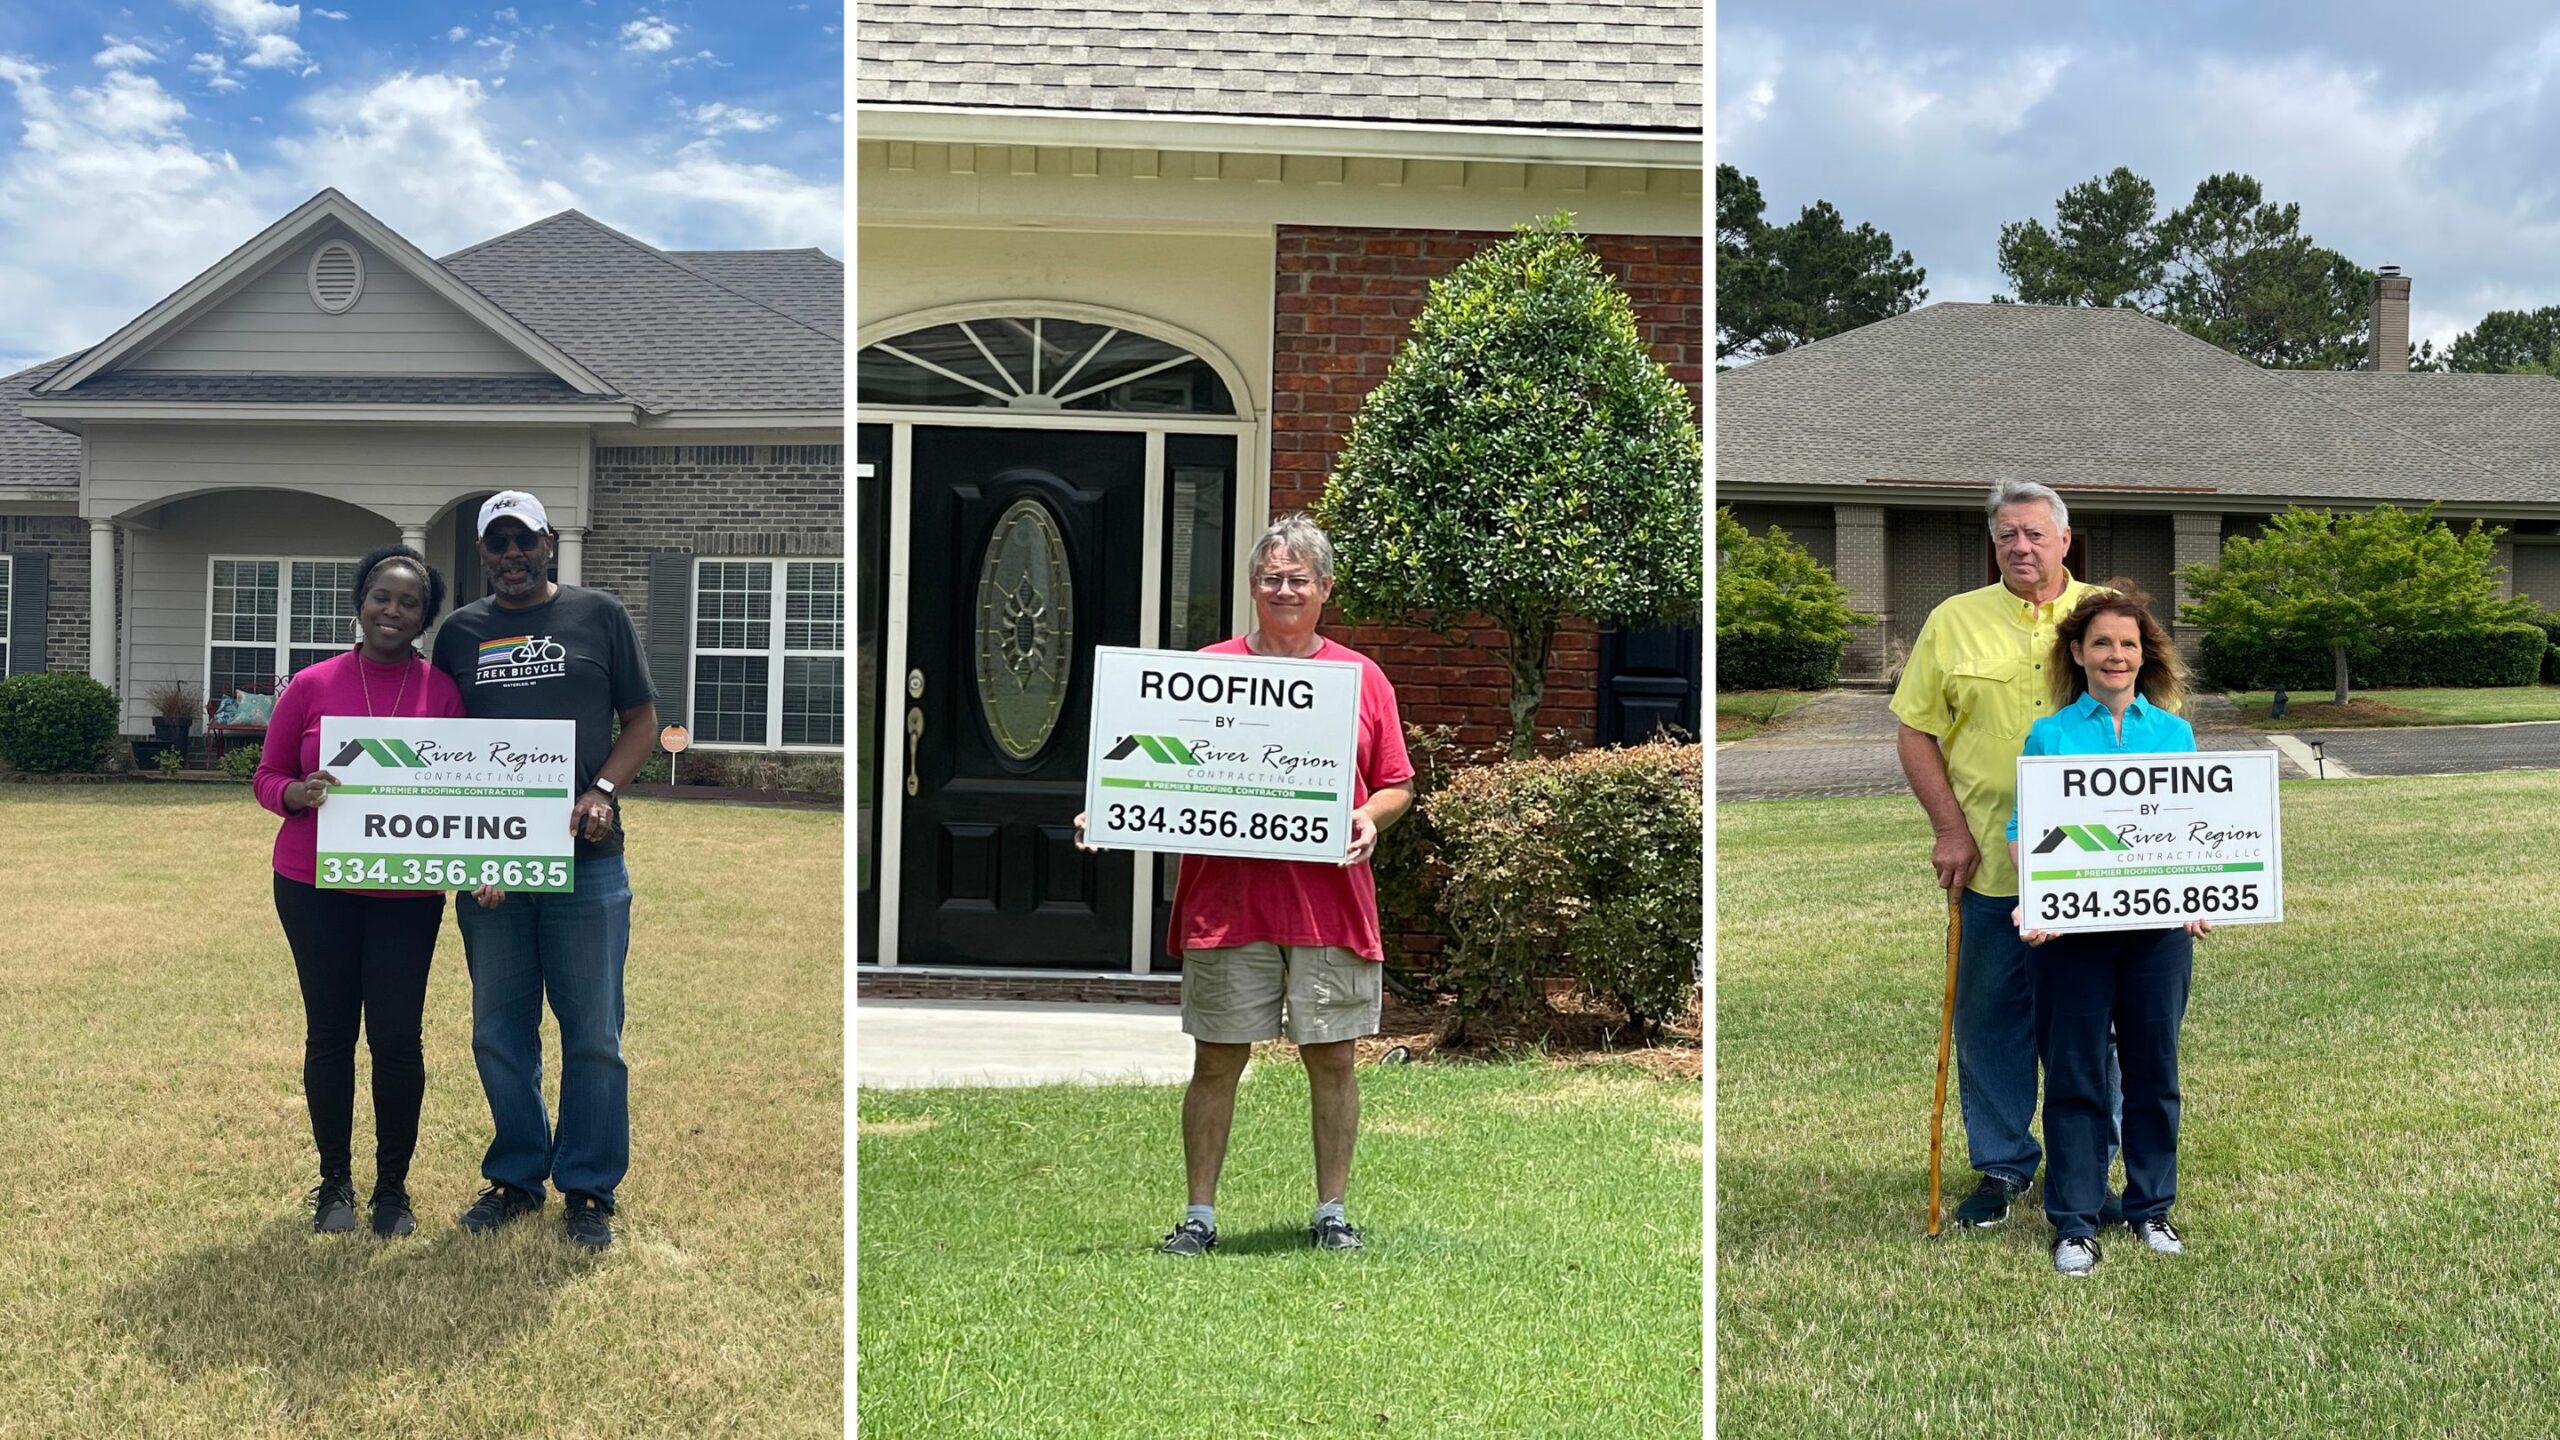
point(2139, 842)
point(1241, 755)
point(447, 804)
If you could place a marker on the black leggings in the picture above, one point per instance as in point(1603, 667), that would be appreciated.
point(362, 958)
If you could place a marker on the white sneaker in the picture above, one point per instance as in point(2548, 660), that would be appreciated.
point(2160, 1235)
point(2077, 1255)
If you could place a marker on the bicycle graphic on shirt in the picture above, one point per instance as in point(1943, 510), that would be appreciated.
point(539, 651)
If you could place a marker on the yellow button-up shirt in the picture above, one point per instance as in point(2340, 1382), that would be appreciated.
point(1976, 679)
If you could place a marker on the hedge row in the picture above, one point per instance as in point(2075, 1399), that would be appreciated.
point(1756, 659)
point(2498, 655)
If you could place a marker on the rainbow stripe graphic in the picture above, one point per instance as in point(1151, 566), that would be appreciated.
point(499, 651)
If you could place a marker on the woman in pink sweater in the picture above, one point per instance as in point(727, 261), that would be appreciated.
point(361, 955)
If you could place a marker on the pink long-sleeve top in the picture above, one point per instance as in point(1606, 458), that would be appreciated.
point(347, 684)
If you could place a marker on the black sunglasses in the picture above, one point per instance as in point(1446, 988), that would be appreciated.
point(499, 542)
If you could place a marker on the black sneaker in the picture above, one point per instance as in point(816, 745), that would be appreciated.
point(590, 1220)
point(333, 1206)
point(1988, 1205)
point(1191, 1237)
point(1334, 1233)
point(498, 1205)
point(392, 1217)
point(2077, 1255)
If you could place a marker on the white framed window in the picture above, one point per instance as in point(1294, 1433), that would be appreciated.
point(268, 616)
point(768, 654)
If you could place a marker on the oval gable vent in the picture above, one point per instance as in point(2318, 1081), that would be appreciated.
point(336, 276)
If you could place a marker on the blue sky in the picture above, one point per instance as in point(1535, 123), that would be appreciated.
point(2428, 139)
point(143, 142)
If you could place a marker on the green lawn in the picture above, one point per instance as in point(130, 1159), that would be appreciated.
point(2311, 710)
point(1743, 713)
point(158, 1276)
point(1532, 1265)
point(2367, 1173)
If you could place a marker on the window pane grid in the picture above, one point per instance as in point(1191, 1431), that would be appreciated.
point(813, 700)
point(244, 601)
point(813, 607)
point(729, 698)
point(241, 667)
point(321, 604)
point(733, 606)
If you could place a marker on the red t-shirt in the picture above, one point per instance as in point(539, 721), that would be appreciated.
point(343, 684)
point(1221, 901)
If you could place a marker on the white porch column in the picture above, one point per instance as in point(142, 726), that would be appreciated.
point(415, 537)
point(102, 602)
point(573, 554)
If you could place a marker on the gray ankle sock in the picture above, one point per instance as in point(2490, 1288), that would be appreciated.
point(1205, 1214)
point(1329, 1207)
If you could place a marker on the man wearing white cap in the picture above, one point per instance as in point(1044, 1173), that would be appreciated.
point(536, 650)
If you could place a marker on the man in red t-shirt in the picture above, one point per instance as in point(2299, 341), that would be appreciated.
point(1263, 937)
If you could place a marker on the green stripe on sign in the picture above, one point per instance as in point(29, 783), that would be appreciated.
point(1180, 751)
point(520, 792)
point(1194, 787)
point(2202, 867)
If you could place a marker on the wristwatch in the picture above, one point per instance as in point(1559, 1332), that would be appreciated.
point(604, 785)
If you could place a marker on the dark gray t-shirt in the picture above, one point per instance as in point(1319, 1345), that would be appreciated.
point(573, 657)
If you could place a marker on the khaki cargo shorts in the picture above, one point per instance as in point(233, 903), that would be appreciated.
point(1233, 996)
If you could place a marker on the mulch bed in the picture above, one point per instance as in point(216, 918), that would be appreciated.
point(1572, 1030)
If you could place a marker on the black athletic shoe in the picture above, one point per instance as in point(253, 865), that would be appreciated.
point(1334, 1233)
point(1988, 1205)
point(498, 1205)
point(2111, 1210)
point(590, 1221)
point(333, 1206)
point(392, 1217)
point(1191, 1237)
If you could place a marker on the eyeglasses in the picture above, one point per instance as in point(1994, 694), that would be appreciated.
point(1284, 582)
point(499, 542)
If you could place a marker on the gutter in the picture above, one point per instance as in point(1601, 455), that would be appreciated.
point(1243, 135)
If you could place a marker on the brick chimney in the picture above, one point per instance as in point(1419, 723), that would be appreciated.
point(2390, 320)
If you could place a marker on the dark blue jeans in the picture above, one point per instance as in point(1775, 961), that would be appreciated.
point(1996, 1042)
point(2134, 981)
point(569, 948)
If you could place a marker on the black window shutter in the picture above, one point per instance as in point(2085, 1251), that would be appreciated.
point(670, 639)
point(26, 613)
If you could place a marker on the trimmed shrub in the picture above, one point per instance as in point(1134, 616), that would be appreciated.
point(2498, 655)
point(1408, 913)
point(240, 761)
point(2549, 620)
point(1756, 659)
point(55, 720)
point(1586, 866)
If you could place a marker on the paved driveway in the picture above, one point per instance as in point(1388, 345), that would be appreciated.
point(2440, 749)
point(899, 1044)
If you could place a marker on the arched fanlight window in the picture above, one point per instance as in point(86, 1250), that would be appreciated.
point(1040, 362)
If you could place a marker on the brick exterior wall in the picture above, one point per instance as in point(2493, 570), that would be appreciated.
point(1345, 300)
point(1936, 553)
point(741, 500)
point(2141, 548)
point(64, 539)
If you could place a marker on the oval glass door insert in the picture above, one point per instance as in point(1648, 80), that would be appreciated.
point(1025, 629)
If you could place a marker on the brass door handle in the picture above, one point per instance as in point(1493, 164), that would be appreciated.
point(915, 737)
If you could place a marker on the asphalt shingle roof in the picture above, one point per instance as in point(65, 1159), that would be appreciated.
point(807, 285)
point(665, 332)
point(33, 456)
point(1606, 64)
point(334, 389)
point(2112, 399)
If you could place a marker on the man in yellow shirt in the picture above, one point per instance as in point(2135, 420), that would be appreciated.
point(1973, 684)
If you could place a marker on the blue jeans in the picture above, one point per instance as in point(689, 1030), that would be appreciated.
point(1996, 1042)
point(2128, 987)
point(570, 948)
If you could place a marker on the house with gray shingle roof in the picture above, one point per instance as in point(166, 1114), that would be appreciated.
point(1125, 274)
point(184, 500)
point(1876, 448)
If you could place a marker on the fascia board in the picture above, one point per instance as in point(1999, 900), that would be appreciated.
point(272, 242)
point(69, 414)
point(743, 420)
point(1354, 139)
point(52, 501)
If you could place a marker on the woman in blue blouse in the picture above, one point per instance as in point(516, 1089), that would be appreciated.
point(2116, 680)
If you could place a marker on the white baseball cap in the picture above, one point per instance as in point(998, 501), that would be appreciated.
point(515, 504)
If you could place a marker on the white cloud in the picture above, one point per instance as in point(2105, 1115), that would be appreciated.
point(128, 104)
point(424, 153)
point(329, 14)
point(717, 202)
point(277, 52)
point(717, 119)
point(458, 32)
point(262, 31)
point(122, 55)
point(506, 49)
point(216, 71)
point(649, 35)
point(505, 17)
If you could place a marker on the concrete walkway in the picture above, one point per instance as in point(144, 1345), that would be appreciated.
point(903, 1044)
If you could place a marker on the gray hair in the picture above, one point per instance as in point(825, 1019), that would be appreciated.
point(1297, 535)
point(2026, 492)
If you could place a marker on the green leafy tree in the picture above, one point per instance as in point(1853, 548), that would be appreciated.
point(2229, 267)
point(1774, 586)
point(2507, 341)
point(1780, 286)
point(2351, 582)
point(1525, 459)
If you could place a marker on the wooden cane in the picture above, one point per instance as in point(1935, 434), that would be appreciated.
point(1946, 1037)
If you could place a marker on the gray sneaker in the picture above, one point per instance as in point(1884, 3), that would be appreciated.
point(1191, 1237)
point(2076, 1255)
point(1334, 1233)
point(2160, 1235)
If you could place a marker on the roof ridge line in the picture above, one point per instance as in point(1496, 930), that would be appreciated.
point(644, 247)
point(2361, 413)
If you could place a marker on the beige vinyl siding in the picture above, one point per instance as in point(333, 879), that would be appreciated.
point(397, 327)
point(407, 473)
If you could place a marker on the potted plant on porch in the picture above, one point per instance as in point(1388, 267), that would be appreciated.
point(174, 708)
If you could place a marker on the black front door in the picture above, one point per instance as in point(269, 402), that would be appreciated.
point(1650, 682)
point(1026, 554)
